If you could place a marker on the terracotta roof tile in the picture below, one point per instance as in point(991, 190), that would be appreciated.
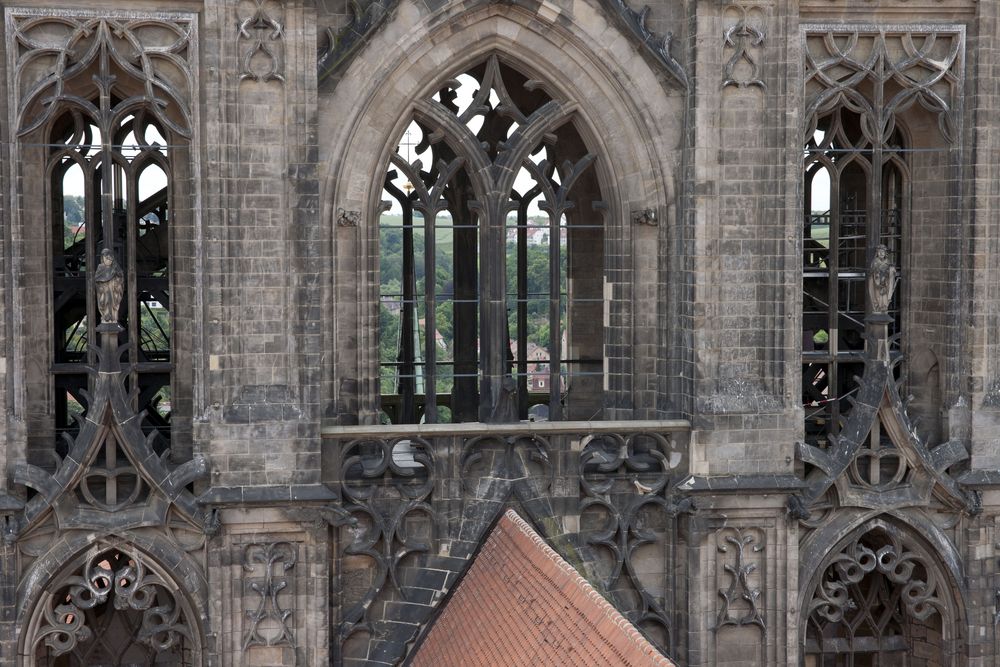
point(520, 603)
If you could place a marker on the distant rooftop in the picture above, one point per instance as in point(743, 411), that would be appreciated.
point(520, 603)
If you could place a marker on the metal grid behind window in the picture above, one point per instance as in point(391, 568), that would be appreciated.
point(124, 208)
point(854, 201)
point(515, 252)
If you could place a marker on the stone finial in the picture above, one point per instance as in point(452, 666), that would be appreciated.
point(110, 287)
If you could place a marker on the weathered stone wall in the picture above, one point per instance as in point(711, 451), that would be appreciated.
point(275, 260)
point(258, 408)
point(742, 211)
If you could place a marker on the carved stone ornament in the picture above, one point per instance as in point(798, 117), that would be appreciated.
point(869, 590)
point(370, 15)
point(374, 471)
point(260, 38)
point(626, 479)
point(862, 467)
point(646, 216)
point(348, 218)
point(273, 561)
point(367, 17)
point(114, 476)
point(741, 594)
point(52, 48)
point(71, 622)
point(881, 71)
point(655, 45)
point(881, 280)
point(743, 34)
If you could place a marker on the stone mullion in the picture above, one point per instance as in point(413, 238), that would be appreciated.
point(493, 315)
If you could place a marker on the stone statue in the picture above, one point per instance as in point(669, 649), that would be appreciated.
point(110, 287)
point(881, 281)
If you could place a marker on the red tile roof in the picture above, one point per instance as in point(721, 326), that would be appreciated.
point(520, 603)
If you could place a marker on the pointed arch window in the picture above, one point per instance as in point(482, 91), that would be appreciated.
point(879, 599)
point(116, 609)
point(106, 104)
point(491, 258)
point(854, 201)
point(882, 166)
point(110, 190)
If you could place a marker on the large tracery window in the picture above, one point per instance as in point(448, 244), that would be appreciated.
point(854, 201)
point(103, 114)
point(882, 166)
point(491, 258)
point(109, 189)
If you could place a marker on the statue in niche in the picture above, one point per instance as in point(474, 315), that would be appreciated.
point(110, 287)
point(881, 281)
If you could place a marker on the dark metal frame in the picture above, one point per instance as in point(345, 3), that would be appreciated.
point(92, 133)
point(485, 163)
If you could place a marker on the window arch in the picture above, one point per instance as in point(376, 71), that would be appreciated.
point(112, 605)
point(855, 194)
point(124, 208)
point(492, 191)
point(101, 108)
point(880, 596)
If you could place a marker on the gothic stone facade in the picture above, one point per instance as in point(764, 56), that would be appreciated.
point(757, 456)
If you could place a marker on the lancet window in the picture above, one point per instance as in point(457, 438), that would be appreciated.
point(491, 258)
point(855, 194)
point(102, 102)
point(102, 110)
point(109, 189)
point(883, 121)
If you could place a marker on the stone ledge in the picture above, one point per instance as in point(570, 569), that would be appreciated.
point(478, 428)
point(251, 495)
point(980, 479)
point(741, 483)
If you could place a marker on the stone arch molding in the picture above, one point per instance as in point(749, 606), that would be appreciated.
point(403, 62)
point(583, 59)
point(921, 568)
point(66, 605)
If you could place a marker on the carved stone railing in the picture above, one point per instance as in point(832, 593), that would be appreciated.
point(422, 497)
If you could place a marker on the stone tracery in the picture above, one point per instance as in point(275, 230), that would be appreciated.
point(116, 609)
point(876, 595)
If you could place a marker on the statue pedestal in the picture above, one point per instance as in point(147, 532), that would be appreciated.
point(108, 332)
point(877, 325)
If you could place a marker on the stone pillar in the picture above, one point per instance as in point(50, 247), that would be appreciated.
point(983, 295)
point(264, 249)
point(742, 209)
